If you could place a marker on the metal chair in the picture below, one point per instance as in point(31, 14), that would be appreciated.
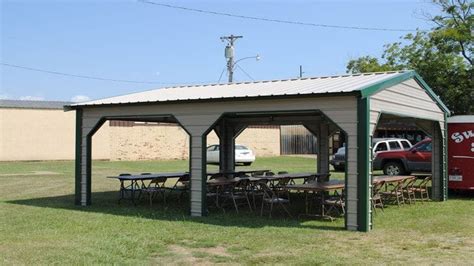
point(280, 187)
point(156, 187)
point(376, 196)
point(234, 192)
point(395, 194)
point(422, 189)
point(408, 190)
point(336, 204)
point(270, 198)
point(182, 185)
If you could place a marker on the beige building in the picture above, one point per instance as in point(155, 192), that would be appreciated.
point(24, 135)
point(162, 141)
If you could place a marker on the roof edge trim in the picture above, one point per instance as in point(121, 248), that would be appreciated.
point(389, 82)
point(372, 89)
point(265, 97)
point(431, 93)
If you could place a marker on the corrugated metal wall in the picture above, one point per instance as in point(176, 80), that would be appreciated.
point(297, 140)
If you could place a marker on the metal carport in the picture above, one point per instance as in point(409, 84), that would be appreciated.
point(350, 103)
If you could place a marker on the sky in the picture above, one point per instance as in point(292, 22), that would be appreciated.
point(135, 41)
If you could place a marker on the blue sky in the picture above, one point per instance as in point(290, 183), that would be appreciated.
point(130, 40)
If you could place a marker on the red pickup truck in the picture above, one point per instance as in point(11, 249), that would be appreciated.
point(401, 162)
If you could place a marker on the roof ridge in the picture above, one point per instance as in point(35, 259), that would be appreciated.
point(280, 80)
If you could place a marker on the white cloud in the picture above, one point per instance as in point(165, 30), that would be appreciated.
point(31, 98)
point(80, 98)
point(4, 97)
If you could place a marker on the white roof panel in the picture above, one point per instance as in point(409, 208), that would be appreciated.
point(304, 86)
point(461, 119)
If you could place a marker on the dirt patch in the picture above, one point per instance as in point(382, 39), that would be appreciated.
point(193, 256)
point(216, 251)
point(33, 173)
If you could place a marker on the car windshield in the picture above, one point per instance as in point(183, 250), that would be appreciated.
point(341, 150)
point(421, 145)
point(240, 147)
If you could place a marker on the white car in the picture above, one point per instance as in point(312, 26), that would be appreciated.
point(243, 154)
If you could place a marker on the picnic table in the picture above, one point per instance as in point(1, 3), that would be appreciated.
point(315, 187)
point(236, 173)
point(390, 178)
point(135, 183)
point(291, 176)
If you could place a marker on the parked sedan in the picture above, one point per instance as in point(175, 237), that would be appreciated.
point(243, 154)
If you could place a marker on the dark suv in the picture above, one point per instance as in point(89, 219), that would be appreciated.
point(416, 159)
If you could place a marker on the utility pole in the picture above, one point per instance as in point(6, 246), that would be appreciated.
point(229, 54)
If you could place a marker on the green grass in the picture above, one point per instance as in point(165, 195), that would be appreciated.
point(40, 225)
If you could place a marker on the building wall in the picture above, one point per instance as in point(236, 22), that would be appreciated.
point(148, 143)
point(48, 134)
point(43, 134)
point(166, 142)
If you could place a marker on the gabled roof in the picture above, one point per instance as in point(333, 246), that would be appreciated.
point(33, 104)
point(364, 84)
point(303, 86)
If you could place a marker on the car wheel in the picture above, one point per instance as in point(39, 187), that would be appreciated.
point(247, 164)
point(339, 169)
point(393, 168)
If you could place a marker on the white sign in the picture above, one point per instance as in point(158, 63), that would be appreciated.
point(455, 177)
point(459, 137)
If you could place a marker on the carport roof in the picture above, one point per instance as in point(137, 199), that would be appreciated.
point(364, 84)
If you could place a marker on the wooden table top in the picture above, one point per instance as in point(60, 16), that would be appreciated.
point(319, 186)
point(236, 172)
point(150, 176)
point(391, 178)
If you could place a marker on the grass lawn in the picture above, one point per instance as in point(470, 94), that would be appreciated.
point(39, 224)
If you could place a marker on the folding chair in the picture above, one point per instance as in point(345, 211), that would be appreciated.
point(408, 190)
point(237, 193)
point(182, 185)
point(270, 198)
point(156, 186)
point(336, 204)
point(280, 187)
point(376, 196)
point(396, 194)
point(310, 179)
point(422, 189)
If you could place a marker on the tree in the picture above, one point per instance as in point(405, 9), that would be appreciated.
point(442, 56)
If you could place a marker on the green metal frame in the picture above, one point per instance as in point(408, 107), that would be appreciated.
point(363, 159)
point(77, 196)
point(444, 161)
point(363, 141)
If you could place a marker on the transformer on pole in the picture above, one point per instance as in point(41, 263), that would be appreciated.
point(229, 54)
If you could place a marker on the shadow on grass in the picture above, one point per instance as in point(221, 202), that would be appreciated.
point(461, 194)
point(173, 210)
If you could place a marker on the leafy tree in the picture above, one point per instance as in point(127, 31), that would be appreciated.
point(442, 56)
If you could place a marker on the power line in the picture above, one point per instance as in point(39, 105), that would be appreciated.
point(85, 76)
point(222, 73)
point(245, 72)
point(275, 20)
